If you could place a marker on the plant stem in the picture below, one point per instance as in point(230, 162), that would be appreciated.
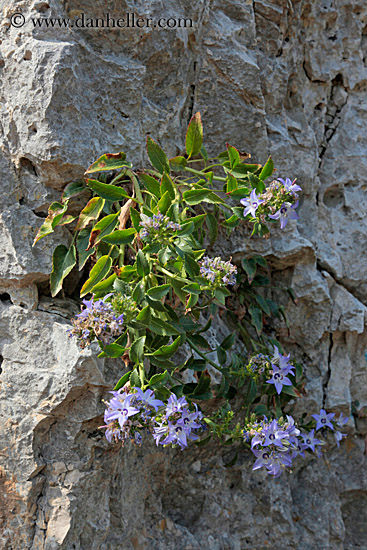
point(202, 174)
point(202, 355)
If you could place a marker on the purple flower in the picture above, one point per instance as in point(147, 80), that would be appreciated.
point(263, 458)
point(310, 441)
point(342, 420)
point(175, 405)
point(323, 419)
point(148, 398)
point(273, 435)
point(121, 410)
point(338, 437)
point(279, 379)
point(159, 431)
point(290, 427)
point(251, 204)
point(290, 185)
point(282, 361)
point(187, 420)
point(285, 212)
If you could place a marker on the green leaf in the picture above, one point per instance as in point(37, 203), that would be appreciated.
point(157, 292)
point(291, 390)
point(108, 191)
point(106, 285)
point(196, 196)
point(192, 288)
point(261, 410)
point(242, 171)
point(82, 241)
point(144, 316)
point(121, 383)
point(105, 226)
point(161, 327)
point(260, 260)
point(194, 136)
point(135, 218)
point(151, 184)
point(256, 318)
point(55, 213)
point(98, 272)
point(251, 392)
point(157, 156)
point(109, 161)
point(196, 220)
point(90, 212)
point(73, 189)
point(138, 293)
point(177, 163)
point(240, 193)
point(155, 304)
point(63, 261)
point(220, 296)
point(135, 379)
point(228, 341)
point(121, 236)
point(126, 272)
point(263, 304)
point(113, 350)
point(257, 183)
point(202, 388)
point(204, 153)
point(164, 203)
point(136, 352)
point(169, 350)
point(212, 225)
point(249, 265)
point(232, 184)
point(142, 265)
point(267, 170)
point(222, 356)
point(199, 341)
point(231, 222)
point(159, 380)
point(191, 266)
point(167, 185)
point(233, 155)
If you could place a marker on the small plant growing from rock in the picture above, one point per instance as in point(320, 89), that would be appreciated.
point(154, 291)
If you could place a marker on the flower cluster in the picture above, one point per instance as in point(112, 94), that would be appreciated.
point(259, 366)
point(130, 413)
point(178, 424)
point(278, 202)
point(159, 226)
point(98, 320)
point(277, 367)
point(277, 443)
point(280, 369)
point(217, 271)
point(328, 420)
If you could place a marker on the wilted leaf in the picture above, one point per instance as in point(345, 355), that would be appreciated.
point(109, 161)
point(90, 212)
point(54, 217)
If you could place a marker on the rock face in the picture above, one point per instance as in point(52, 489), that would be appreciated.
point(286, 77)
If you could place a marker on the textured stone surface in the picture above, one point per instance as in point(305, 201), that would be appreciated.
point(280, 76)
